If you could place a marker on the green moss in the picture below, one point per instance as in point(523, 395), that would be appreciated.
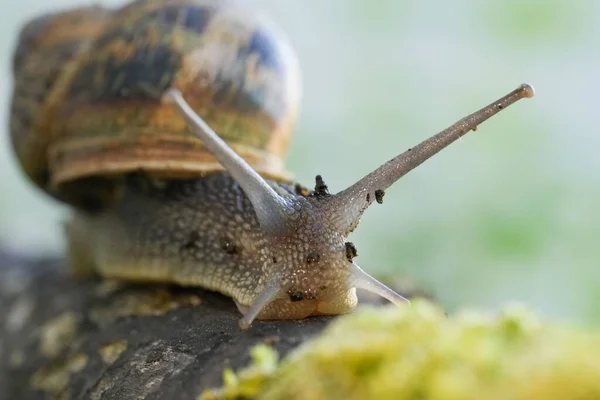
point(249, 382)
point(419, 353)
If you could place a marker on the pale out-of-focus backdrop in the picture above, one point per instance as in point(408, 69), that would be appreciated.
point(510, 212)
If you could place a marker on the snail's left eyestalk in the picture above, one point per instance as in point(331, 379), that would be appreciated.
point(271, 208)
point(348, 205)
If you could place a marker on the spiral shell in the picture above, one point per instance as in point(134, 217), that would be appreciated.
point(45, 46)
point(102, 115)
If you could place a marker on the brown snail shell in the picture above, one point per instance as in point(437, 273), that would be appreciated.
point(103, 116)
point(45, 46)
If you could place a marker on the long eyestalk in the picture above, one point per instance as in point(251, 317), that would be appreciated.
point(271, 208)
point(348, 205)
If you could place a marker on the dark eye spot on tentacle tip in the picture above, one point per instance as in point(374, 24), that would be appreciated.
point(320, 187)
point(296, 296)
point(379, 195)
point(351, 251)
point(228, 245)
point(313, 257)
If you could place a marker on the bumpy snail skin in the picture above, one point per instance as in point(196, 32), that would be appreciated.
point(204, 232)
point(309, 233)
point(278, 253)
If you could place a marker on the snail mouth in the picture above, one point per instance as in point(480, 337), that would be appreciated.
point(285, 309)
point(281, 308)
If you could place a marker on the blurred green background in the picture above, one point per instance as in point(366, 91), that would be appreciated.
point(508, 213)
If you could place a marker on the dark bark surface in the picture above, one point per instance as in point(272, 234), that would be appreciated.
point(67, 338)
point(62, 338)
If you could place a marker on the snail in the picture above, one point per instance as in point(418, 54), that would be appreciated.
point(164, 125)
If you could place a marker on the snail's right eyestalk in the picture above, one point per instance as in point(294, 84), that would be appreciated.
point(348, 205)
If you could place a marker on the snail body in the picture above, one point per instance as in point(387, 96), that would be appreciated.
point(203, 232)
point(121, 125)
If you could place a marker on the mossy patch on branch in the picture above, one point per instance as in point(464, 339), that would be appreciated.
point(419, 352)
